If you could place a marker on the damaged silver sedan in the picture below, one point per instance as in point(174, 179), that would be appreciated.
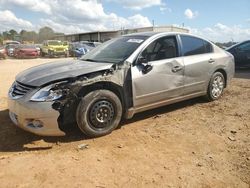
point(117, 79)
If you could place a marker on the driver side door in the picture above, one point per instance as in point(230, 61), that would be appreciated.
point(163, 78)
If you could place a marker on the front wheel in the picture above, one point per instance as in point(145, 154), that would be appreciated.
point(216, 86)
point(99, 113)
point(42, 54)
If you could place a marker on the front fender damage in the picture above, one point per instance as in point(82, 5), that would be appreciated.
point(117, 79)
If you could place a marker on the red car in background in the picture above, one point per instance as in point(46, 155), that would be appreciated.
point(3, 53)
point(26, 51)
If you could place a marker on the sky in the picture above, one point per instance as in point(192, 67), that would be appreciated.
point(216, 20)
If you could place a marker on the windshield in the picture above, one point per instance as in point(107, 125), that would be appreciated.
point(115, 50)
point(54, 43)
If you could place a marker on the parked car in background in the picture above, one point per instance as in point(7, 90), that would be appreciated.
point(3, 52)
point(90, 45)
point(119, 78)
point(54, 48)
point(26, 51)
point(77, 49)
point(10, 49)
point(241, 53)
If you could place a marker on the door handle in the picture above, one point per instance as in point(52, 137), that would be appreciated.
point(211, 60)
point(176, 68)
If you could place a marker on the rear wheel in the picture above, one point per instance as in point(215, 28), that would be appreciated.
point(216, 86)
point(99, 113)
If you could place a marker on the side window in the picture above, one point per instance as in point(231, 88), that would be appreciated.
point(195, 46)
point(208, 47)
point(244, 47)
point(163, 48)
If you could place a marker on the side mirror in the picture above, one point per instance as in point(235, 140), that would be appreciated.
point(143, 63)
point(147, 68)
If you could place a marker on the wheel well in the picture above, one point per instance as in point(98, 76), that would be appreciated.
point(116, 89)
point(222, 71)
point(67, 113)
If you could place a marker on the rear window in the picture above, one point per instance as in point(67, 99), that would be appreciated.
point(194, 46)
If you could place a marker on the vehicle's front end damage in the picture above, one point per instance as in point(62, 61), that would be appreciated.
point(50, 109)
point(116, 79)
point(93, 92)
point(36, 117)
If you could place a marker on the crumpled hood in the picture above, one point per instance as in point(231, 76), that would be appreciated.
point(60, 70)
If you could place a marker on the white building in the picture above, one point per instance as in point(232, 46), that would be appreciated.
point(101, 36)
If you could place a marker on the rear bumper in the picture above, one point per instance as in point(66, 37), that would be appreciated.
point(36, 117)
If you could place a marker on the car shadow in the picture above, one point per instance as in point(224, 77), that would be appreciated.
point(14, 139)
point(157, 112)
point(242, 73)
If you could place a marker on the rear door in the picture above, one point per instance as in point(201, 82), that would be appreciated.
point(164, 78)
point(198, 60)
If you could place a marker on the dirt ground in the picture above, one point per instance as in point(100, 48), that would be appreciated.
point(189, 144)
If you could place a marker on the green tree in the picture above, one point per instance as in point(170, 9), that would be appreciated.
point(46, 33)
point(6, 35)
point(1, 38)
point(29, 36)
point(12, 33)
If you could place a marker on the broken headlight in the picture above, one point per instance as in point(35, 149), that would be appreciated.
point(48, 93)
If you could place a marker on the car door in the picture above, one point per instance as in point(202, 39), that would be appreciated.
point(242, 54)
point(198, 60)
point(160, 77)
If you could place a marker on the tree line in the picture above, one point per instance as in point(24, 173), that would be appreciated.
point(44, 33)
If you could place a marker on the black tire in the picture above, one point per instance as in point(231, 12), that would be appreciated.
point(99, 113)
point(216, 86)
point(42, 54)
point(51, 55)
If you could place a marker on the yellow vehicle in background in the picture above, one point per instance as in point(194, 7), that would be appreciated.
point(54, 48)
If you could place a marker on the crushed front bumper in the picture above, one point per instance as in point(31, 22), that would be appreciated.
point(36, 117)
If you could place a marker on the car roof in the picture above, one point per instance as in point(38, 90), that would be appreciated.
point(150, 34)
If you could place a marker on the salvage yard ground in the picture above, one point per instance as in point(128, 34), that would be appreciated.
point(189, 144)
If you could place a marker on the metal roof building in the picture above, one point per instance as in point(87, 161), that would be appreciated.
point(102, 36)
